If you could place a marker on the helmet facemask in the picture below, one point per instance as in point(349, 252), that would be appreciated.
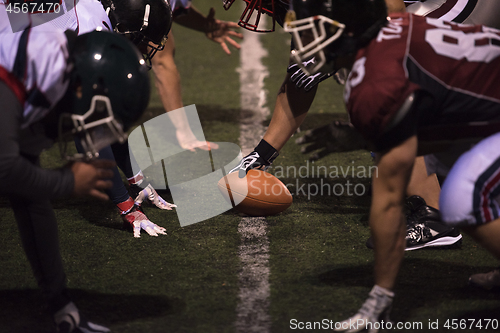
point(311, 36)
point(94, 130)
point(250, 18)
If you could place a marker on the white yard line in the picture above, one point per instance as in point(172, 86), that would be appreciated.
point(253, 306)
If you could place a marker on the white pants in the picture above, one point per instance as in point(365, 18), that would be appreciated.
point(471, 192)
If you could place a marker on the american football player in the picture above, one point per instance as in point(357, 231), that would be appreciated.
point(292, 104)
point(54, 85)
point(463, 11)
point(167, 77)
point(146, 23)
point(439, 86)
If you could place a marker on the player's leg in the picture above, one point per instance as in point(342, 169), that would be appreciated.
point(423, 184)
point(470, 198)
point(39, 235)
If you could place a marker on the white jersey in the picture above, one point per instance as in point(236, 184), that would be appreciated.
point(484, 12)
point(86, 16)
point(36, 60)
point(45, 58)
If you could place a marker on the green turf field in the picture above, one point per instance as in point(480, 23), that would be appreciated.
point(187, 281)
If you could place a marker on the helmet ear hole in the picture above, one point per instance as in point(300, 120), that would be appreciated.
point(99, 87)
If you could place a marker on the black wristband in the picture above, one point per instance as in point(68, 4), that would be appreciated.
point(267, 152)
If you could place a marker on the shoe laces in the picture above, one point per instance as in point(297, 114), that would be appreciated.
point(417, 232)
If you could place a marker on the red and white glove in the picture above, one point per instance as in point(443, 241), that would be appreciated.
point(133, 217)
point(150, 194)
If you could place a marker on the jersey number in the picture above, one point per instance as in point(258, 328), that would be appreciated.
point(456, 44)
point(355, 77)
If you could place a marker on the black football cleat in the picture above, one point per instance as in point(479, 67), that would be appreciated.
point(424, 227)
point(431, 234)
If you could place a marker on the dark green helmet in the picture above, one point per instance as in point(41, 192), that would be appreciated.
point(108, 90)
point(327, 29)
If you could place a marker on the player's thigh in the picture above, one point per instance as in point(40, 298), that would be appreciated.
point(486, 12)
point(470, 194)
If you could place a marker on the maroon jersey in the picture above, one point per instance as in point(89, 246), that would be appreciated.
point(456, 68)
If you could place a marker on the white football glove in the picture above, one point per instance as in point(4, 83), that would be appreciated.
point(303, 80)
point(261, 158)
point(376, 309)
point(138, 220)
point(150, 194)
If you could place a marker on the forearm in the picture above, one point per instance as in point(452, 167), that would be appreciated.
point(21, 177)
point(292, 105)
point(18, 175)
point(387, 222)
point(167, 77)
point(193, 19)
point(388, 229)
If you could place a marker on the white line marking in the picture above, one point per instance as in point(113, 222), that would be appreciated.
point(253, 307)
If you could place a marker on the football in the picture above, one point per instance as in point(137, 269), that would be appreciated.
point(258, 194)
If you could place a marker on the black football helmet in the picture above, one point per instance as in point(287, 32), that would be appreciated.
point(254, 9)
point(327, 29)
point(145, 22)
point(108, 91)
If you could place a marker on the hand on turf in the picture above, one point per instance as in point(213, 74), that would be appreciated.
point(376, 309)
point(302, 80)
point(188, 141)
point(92, 177)
point(150, 193)
point(136, 219)
point(222, 31)
point(338, 136)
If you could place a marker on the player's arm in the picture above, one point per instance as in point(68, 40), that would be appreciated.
point(387, 222)
point(168, 83)
point(216, 30)
point(292, 105)
point(21, 177)
point(290, 110)
point(388, 230)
